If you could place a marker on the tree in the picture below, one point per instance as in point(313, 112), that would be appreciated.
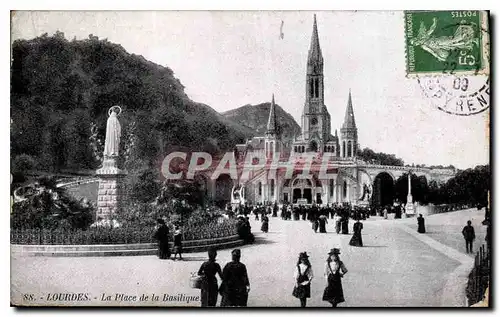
point(419, 188)
point(50, 207)
point(369, 156)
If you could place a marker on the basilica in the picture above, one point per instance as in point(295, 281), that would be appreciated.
point(348, 178)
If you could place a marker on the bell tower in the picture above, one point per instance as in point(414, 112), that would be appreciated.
point(315, 121)
point(272, 137)
point(349, 132)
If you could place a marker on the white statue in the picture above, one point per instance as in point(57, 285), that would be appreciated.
point(113, 133)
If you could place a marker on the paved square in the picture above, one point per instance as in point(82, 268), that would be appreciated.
point(393, 269)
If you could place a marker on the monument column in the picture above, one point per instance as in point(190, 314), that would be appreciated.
point(409, 208)
point(111, 195)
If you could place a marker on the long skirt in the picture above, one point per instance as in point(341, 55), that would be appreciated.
point(421, 229)
point(264, 227)
point(322, 227)
point(302, 291)
point(345, 227)
point(234, 298)
point(356, 240)
point(315, 226)
point(209, 293)
point(333, 292)
point(163, 250)
point(337, 226)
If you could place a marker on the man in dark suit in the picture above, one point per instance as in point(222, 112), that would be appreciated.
point(235, 285)
point(469, 236)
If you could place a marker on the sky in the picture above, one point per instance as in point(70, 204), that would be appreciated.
point(227, 59)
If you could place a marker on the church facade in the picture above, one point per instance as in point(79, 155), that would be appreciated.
point(298, 167)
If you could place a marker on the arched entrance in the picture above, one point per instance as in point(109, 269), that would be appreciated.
point(313, 146)
point(223, 188)
point(383, 190)
point(302, 188)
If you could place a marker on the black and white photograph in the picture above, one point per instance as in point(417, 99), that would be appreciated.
point(295, 158)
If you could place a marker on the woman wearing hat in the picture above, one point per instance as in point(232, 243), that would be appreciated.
point(303, 276)
point(334, 271)
point(209, 287)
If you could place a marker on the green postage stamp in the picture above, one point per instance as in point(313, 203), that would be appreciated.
point(446, 42)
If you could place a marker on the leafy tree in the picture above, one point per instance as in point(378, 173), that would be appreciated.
point(60, 87)
point(50, 207)
point(419, 188)
point(369, 156)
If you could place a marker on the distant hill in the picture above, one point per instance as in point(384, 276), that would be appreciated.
point(60, 87)
point(256, 117)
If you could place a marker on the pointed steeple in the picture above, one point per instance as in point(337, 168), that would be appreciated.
point(349, 122)
point(315, 55)
point(271, 121)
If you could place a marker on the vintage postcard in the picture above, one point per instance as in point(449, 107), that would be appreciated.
point(250, 158)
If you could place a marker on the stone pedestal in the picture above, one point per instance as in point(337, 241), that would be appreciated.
point(111, 195)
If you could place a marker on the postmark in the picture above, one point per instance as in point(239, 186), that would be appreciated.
point(458, 95)
point(446, 42)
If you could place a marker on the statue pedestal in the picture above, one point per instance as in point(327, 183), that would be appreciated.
point(410, 209)
point(111, 195)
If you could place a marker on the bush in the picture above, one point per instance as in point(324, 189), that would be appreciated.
point(121, 235)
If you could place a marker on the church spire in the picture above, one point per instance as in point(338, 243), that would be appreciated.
point(271, 121)
point(349, 122)
point(315, 55)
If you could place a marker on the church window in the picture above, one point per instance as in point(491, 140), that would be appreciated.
point(314, 121)
point(349, 149)
point(343, 148)
point(311, 84)
point(316, 88)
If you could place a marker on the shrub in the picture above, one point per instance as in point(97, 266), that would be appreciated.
point(121, 235)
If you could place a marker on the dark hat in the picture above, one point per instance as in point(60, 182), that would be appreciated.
point(334, 251)
point(303, 255)
point(236, 252)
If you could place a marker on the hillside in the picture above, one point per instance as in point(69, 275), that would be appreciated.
point(60, 87)
point(256, 117)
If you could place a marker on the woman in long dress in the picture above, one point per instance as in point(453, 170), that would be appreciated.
point(421, 224)
point(303, 276)
point(334, 271)
point(177, 243)
point(322, 224)
point(235, 285)
point(162, 236)
point(209, 287)
point(265, 223)
point(357, 239)
point(336, 220)
point(345, 224)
